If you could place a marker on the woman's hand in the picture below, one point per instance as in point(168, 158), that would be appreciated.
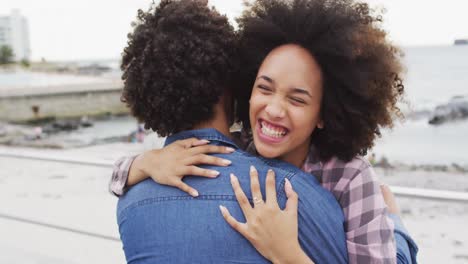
point(389, 199)
point(170, 164)
point(272, 231)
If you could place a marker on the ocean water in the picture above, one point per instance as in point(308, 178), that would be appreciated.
point(434, 75)
point(417, 142)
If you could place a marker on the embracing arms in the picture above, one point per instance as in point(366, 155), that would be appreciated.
point(180, 158)
point(168, 166)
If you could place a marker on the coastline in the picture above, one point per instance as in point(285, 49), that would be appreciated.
point(68, 133)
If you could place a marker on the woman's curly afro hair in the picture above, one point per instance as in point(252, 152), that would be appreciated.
point(178, 62)
point(360, 67)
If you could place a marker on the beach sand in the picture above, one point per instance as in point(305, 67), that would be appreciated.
point(76, 196)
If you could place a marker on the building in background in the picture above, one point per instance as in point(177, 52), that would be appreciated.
point(14, 32)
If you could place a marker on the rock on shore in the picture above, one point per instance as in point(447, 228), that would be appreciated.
point(455, 109)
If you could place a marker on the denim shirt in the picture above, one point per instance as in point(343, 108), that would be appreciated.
point(161, 224)
point(407, 249)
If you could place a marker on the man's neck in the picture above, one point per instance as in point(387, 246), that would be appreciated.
point(219, 121)
point(224, 129)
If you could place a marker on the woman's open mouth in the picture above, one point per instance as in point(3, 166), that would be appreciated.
point(271, 132)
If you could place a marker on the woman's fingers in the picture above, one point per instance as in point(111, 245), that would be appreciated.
point(207, 149)
point(207, 159)
point(255, 187)
point(240, 196)
point(239, 227)
point(291, 203)
point(191, 142)
point(270, 183)
point(200, 142)
point(389, 199)
point(186, 188)
point(196, 171)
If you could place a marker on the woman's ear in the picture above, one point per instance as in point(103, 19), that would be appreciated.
point(320, 124)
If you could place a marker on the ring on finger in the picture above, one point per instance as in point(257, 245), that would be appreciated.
point(257, 200)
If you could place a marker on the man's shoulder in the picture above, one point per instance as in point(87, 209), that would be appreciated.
point(305, 184)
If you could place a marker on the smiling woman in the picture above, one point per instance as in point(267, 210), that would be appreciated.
point(285, 106)
point(360, 68)
point(325, 81)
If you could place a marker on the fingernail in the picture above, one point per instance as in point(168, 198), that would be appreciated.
point(252, 168)
point(270, 171)
point(228, 149)
point(288, 185)
point(226, 162)
point(214, 173)
point(223, 209)
point(233, 177)
point(194, 193)
point(204, 141)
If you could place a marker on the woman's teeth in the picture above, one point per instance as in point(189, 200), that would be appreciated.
point(272, 131)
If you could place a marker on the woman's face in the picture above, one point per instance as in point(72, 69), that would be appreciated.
point(285, 104)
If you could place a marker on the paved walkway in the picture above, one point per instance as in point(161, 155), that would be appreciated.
point(66, 195)
point(75, 196)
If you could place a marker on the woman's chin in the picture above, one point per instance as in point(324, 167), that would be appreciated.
point(268, 152)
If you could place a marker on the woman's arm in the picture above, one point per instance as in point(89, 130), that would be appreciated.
point(169, 165)
point(272, 231)
point(406, 247)
point(118, 181)
point(369, 232)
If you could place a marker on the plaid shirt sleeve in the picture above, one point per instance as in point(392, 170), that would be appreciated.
point(369, 230)
point(117, 184)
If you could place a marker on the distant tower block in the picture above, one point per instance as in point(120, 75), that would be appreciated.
point(14, 32)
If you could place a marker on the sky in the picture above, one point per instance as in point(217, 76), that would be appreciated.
point(97, 29)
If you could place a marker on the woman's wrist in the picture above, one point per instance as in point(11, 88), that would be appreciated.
point(294, 255)
point(137, 171)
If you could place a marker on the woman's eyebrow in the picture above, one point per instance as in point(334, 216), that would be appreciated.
point(301, 91)
point(266, 78)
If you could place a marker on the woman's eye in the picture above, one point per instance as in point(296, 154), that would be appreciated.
point(297, 100)
point(264, 88)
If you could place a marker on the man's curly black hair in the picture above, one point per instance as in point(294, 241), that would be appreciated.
point(178, 62)
point(360, 67)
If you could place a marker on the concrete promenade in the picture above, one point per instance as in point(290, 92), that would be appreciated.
point(64, 101)
point(8, 92)
point(59, 194)
point(76, 197)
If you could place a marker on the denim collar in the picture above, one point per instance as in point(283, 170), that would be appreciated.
point(210, 134)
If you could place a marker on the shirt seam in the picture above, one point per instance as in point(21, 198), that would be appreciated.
point(153, 200)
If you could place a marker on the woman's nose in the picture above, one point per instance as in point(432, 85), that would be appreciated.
point(275, 109)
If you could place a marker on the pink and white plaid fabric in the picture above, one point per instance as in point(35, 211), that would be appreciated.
point(369, 231)
point(117, 184)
